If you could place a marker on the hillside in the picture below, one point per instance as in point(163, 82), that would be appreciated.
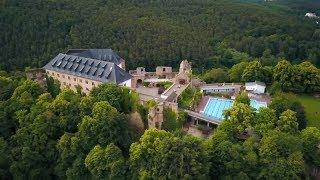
point(154, 32)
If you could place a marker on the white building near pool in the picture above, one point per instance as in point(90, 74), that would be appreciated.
point(221, 88)
point(256, 87)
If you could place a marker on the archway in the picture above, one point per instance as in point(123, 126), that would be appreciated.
point(157, 125)
point(139, 82)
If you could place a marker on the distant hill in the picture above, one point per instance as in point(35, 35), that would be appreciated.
point(158, 32)
point(293, 5)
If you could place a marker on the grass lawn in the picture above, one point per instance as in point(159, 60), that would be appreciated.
point(312, 109)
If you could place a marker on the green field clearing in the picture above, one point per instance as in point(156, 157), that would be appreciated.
point(312, 109)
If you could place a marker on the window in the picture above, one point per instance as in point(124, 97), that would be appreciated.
point(52, 73)
point(87, 89)
point(69, 77)
point(87, 82)
point(58, 75)
point(64, 83)
point(74, 79)
point(92, 83)
point(80, 80)
point(164, 69)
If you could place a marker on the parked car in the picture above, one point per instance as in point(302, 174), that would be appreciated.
point(161, 90)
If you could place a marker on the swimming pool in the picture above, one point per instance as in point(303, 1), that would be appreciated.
point(257, 104)
point(216, 106)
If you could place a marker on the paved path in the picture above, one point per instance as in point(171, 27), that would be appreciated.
point(177, 88)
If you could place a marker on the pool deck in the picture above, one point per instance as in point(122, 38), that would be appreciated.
point(203, 103)
point(260, 97)
point(200, 110)
point(199, 114)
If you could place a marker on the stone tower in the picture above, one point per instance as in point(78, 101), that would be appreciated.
point(155, 116)
point(185, 72)
point(185, 67)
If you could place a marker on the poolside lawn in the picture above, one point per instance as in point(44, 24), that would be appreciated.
point(312, 109)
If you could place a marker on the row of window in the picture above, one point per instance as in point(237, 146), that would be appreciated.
point(69, 85)
point(220, 90)
point(75, 79)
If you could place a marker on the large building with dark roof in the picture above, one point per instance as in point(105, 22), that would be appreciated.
point(100, 54)
point(88, 68)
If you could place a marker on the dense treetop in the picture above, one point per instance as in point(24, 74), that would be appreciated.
point(64, 134)
point(150, 33)
point(284, 76)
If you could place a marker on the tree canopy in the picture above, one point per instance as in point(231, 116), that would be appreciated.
point(160, 154)
point(150, 33)
point(76, 136)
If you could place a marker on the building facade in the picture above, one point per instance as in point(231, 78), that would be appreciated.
point(230, 88)
point(256, 87)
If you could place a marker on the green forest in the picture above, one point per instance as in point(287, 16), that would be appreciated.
point(209, 33)
point(62, 134)
point(298, 78)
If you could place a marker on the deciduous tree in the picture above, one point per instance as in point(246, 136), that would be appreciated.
point(252, 72)
point(216, 76)
point(288, 122)
point(236, 71)
point(310, 142)
point(281, 156)
point(106, 163)
point(242, 98)
point(242, 116)
point(284, 74)
point(159, 154)
point(265, 120)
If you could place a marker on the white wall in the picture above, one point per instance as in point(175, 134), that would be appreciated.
point(120, 65)
point(126, 83)
point(256, 88)
point(260, 89)
point(208, 90)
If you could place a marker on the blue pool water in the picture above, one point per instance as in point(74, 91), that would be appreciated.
point(216, 106)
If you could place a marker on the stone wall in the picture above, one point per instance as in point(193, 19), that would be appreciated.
point(163, 70)
point(38, 75)
point(155, 116)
